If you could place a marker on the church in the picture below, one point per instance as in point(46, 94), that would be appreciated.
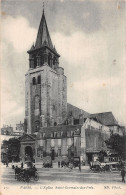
point(54, 127)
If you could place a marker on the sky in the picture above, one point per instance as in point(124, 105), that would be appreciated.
point(90, 38)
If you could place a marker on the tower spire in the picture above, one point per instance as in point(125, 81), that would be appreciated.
point(43, 38)
point(43, 7)
point(43, 33)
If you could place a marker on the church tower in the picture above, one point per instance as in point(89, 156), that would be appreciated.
point(45, 84)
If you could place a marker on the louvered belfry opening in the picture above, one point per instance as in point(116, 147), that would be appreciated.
point(43, 50)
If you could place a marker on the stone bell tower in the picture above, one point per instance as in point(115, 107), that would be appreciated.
point(45, 84)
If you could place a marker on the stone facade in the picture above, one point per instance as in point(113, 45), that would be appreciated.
point(46, 103)
point(30, 142)
point(68, 141)
point(45, 84)
point(93, 136)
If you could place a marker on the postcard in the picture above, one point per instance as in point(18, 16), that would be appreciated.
point(63, 82)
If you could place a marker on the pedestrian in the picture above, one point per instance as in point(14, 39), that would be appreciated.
point(6, 162)
point(70, 166)
point(22, 165)
point(80, 166)
point(61, 164)
point(17, 171)
point(90, 164)
point(58, 164)
point(123, 172)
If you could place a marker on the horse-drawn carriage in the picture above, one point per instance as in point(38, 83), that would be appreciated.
point(105, 166)
point(26, 174)
point(47, 162)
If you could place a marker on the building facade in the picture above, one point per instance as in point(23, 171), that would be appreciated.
point(6, 130)
point(54, 127)
point(67, 141)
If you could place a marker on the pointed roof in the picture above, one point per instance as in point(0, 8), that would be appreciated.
point(43, 34)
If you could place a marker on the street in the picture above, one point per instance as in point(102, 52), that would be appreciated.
point(55, 175)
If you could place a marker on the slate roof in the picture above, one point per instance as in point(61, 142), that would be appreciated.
point(105, 118)
point(43, 35)
point(76, 111)
point(32, 47)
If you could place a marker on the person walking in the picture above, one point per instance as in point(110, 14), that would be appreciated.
point(22, 165)
point(80, 166)
point(58, 164)
point(123, 172)
point(7, 162)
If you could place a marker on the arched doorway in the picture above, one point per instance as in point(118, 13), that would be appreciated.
point(28, 153)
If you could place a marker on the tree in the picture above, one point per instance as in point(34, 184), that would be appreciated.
point(116, 143)
point(12, 148)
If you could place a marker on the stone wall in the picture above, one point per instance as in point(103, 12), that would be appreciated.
point(64, 145)
point(52, 93)
point(93, 136)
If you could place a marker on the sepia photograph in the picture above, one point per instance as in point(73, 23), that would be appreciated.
point(63, 97)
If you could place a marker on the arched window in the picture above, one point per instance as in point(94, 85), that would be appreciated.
point(42, 59)
point(39, 79)
point(55, 123)
point(54, 61)
point(37, 126)
point(37, 105)
point(38, 60)
point(50, 60)
point(35, 61)
point(34, 81)
point(37, 102)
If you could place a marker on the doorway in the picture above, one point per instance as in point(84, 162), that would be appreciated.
point(53, 154)
point(89, 157)
point(28, 153)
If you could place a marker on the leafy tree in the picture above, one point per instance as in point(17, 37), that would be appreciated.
point(13, 148)
point(116, 143)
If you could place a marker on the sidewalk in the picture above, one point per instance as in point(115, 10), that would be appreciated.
point(55, 168)
point(55, 165)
